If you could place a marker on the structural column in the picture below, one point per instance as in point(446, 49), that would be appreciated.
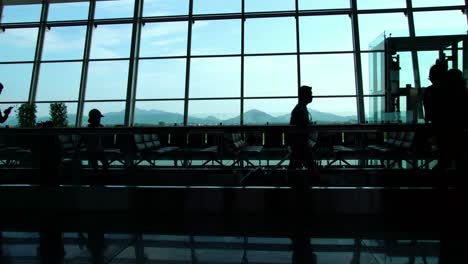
point(357, 63)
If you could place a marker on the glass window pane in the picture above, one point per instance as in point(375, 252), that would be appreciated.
point(372, 27)
point(16, 80)
point(406, 69)
point(273, 111)
point(64, 43)
point(43, 113)
point(426, 59)
point(374, 107)
point(161, 113)
point(20, 44)
point(107, 80)
point(59, 81)
point(68, 11)
point(214, 112)
point(380, 4)
point(114, 9)
point(427, 3)
point(329, 74)
point(161, 79)
point(270, 35)
point(448, 23)
point(111, 41)
point(268, 5)
point(330, 4)
point(164, 39)
point(165, 7)
point(270, 76)
point(333, 110)
point(216, 37)
point(113, 112)
point(325, 33)
point(216, 6)
point(373, 72)
point(215, 77)
point(21, 13)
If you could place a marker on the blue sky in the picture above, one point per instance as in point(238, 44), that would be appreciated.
point(330, 74)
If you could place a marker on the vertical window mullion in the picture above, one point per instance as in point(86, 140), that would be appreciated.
point(85, 65)
point(414, 53)
point(133, 63)
point(187, 72)
point(242, 64)
point(298, 45)
point(357, 62)
point(38, 54)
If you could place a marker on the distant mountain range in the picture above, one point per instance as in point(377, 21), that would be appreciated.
point(251, 117)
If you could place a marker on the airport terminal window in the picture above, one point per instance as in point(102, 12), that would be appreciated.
point(68, 11)
point(161, 113)
point(372, 28)
point(325, 33)
point(273, 111)
point(216, 37)
point(64, 43)
point(114, 9)
point(329, 74)
point(429, 3)
point(335, 4)
point(59, 81)
point(21, 13)
point(270, 35)
point(215, 77)
point(440, 23)
point(373, 74)
point(165, 8)
point(111, 41)
point(16, 79)
point(18, 44)
point(270, 76)
point(163, 52)
point(163, 39)
point(216, 6)
point(406, 72)
point(214, 112)
point(43, 112)
point(269, 5)
point(161, 78)
point(114, 112)
point(325, 110)
point(380, 4)
point(107, 80)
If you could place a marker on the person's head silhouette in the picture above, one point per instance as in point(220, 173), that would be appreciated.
point(437, 73)
point(94, 117)
point(1, 87)
point(305, 95)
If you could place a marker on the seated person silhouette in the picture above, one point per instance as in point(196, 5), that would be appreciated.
point(6, 112)
point(94, 147)
point(300, 143)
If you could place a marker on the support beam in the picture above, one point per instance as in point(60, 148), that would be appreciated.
point(85, 65)
point(38, 54)
point(357, 63)
point(133, 64)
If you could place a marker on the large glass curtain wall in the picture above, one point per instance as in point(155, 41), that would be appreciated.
point(165, 62)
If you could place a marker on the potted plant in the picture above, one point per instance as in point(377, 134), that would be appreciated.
point(27, 115)
point(58, 114)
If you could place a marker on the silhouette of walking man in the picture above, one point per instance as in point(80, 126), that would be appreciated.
point(6, 112)
point(300, 143)
point(301, 154)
